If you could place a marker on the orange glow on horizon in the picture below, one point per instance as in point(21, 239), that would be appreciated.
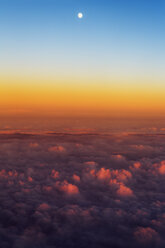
point(39, 97)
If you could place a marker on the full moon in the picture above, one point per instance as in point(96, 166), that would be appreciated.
point(80, 15)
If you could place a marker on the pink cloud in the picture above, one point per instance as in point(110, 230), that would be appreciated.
point(68, 188)
point(30, 179)
point(162, 168)
point(21, 183)
point(79, 145)
point(159, 168)
point(33, 145)
point(92, 173)
point(76, 178)
point(146, 148)
point(56, 149)
point(124, 191)
point(122, 175)
point(103, 174)
point(47, 188)
point(3, 174)
point(13, 173)
point(93, 163)
point(146, 234)
point(43, 206)
point(118, 157)
point(26, 190)
point(137, 165)
point(54, 174)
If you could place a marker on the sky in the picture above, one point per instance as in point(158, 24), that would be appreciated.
point(109, 62)
point(82, 123)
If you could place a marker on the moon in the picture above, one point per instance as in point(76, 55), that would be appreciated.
point(80, 15)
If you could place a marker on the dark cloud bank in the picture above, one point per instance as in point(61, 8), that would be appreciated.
point(63, 190)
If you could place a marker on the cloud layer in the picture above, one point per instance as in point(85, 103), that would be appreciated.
point(82, 190)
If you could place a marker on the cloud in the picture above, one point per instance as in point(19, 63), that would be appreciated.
point(54, 174)
point(76, 178)
point(43, 206)
point(103, 174)
point(33, 145)
point(67, 188)
point(146, 235)
point(30, 179)
point(124, 191)
point(118, 157)
point(137, 165)
point(103, 192)
point(92, 163)
point(56, 149)
point(122, 175)
point(162, 167)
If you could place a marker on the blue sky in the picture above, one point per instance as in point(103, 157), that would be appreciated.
point(117, 37)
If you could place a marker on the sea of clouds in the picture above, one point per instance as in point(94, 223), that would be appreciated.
point(82, 190)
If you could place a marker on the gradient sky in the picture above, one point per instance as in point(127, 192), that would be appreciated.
point(111, 61)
